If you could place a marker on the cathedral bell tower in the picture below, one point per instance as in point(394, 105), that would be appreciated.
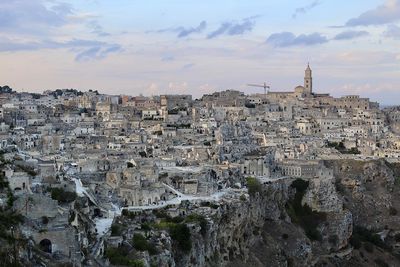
point(308, 80)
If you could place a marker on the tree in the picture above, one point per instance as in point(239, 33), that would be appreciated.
point(253, 186)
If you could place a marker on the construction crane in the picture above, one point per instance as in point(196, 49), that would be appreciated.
point(265, 86)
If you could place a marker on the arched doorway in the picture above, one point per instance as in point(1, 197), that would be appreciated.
point(45, 245)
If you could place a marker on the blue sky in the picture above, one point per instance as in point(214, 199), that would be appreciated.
point(177, 46)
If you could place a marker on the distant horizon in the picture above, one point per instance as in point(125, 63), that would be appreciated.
point(381, 105)
point(159, 47)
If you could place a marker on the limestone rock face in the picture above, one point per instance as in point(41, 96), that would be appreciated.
point(322, 196)
point(262, 230)
point(258, 232)
point(337, 232)
point(368, 191)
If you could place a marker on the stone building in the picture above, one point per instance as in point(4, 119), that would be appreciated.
point(299, 168)
point(171, 102)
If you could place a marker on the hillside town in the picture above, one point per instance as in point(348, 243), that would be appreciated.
point(86, 173)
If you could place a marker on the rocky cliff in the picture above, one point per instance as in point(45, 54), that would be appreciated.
point(347, 218)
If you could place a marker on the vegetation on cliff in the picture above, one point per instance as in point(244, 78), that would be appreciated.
point(362, 235)
point(303, 215)
point(10, 220)
point(253, 186)
point(177, 229)
point(62, 195)
point(121, 256)
point(342, 149)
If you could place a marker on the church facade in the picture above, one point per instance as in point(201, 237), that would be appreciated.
point(305, 93)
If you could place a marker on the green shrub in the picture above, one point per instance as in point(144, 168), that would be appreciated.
point(8, 216)
point(141, 243)
point(300, 185)
point(29, 170)
point(303, 215)
point(161, 214)
point(177, 219)
point(164, 225)
point(253, 186)
point(365, 235)
point(119, 256)
point(200, 219)
point(342, 149)
point(128, 214)
point(3, 181)
point(62, 196)
point(116, 230)
point(125, 212)
point(146, 227)
point(163, 175)
point(362, 235)
point(181, 234)
point(209, 204)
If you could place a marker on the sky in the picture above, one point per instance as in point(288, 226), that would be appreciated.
point(195, 47)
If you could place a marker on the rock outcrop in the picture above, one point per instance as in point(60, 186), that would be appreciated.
point(346, 217)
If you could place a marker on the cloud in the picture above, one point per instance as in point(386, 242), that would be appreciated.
point(41, 24)
point(63, 9)
point(357, 58)
point(392, 31)
point(186, 32)
point(228, 28)
point(97, 53)
point(305, 9)
point(231, 28)
point(386, 93)
point(182, 31)
point(286, 39)
point(178, 87)
point(85, 49)
point(348, 35)
point(221, 30)
point(43, 18)
point(33, 16)
point(167, 58)
point(97, 28)
point(383, 14)
point(188, 66)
